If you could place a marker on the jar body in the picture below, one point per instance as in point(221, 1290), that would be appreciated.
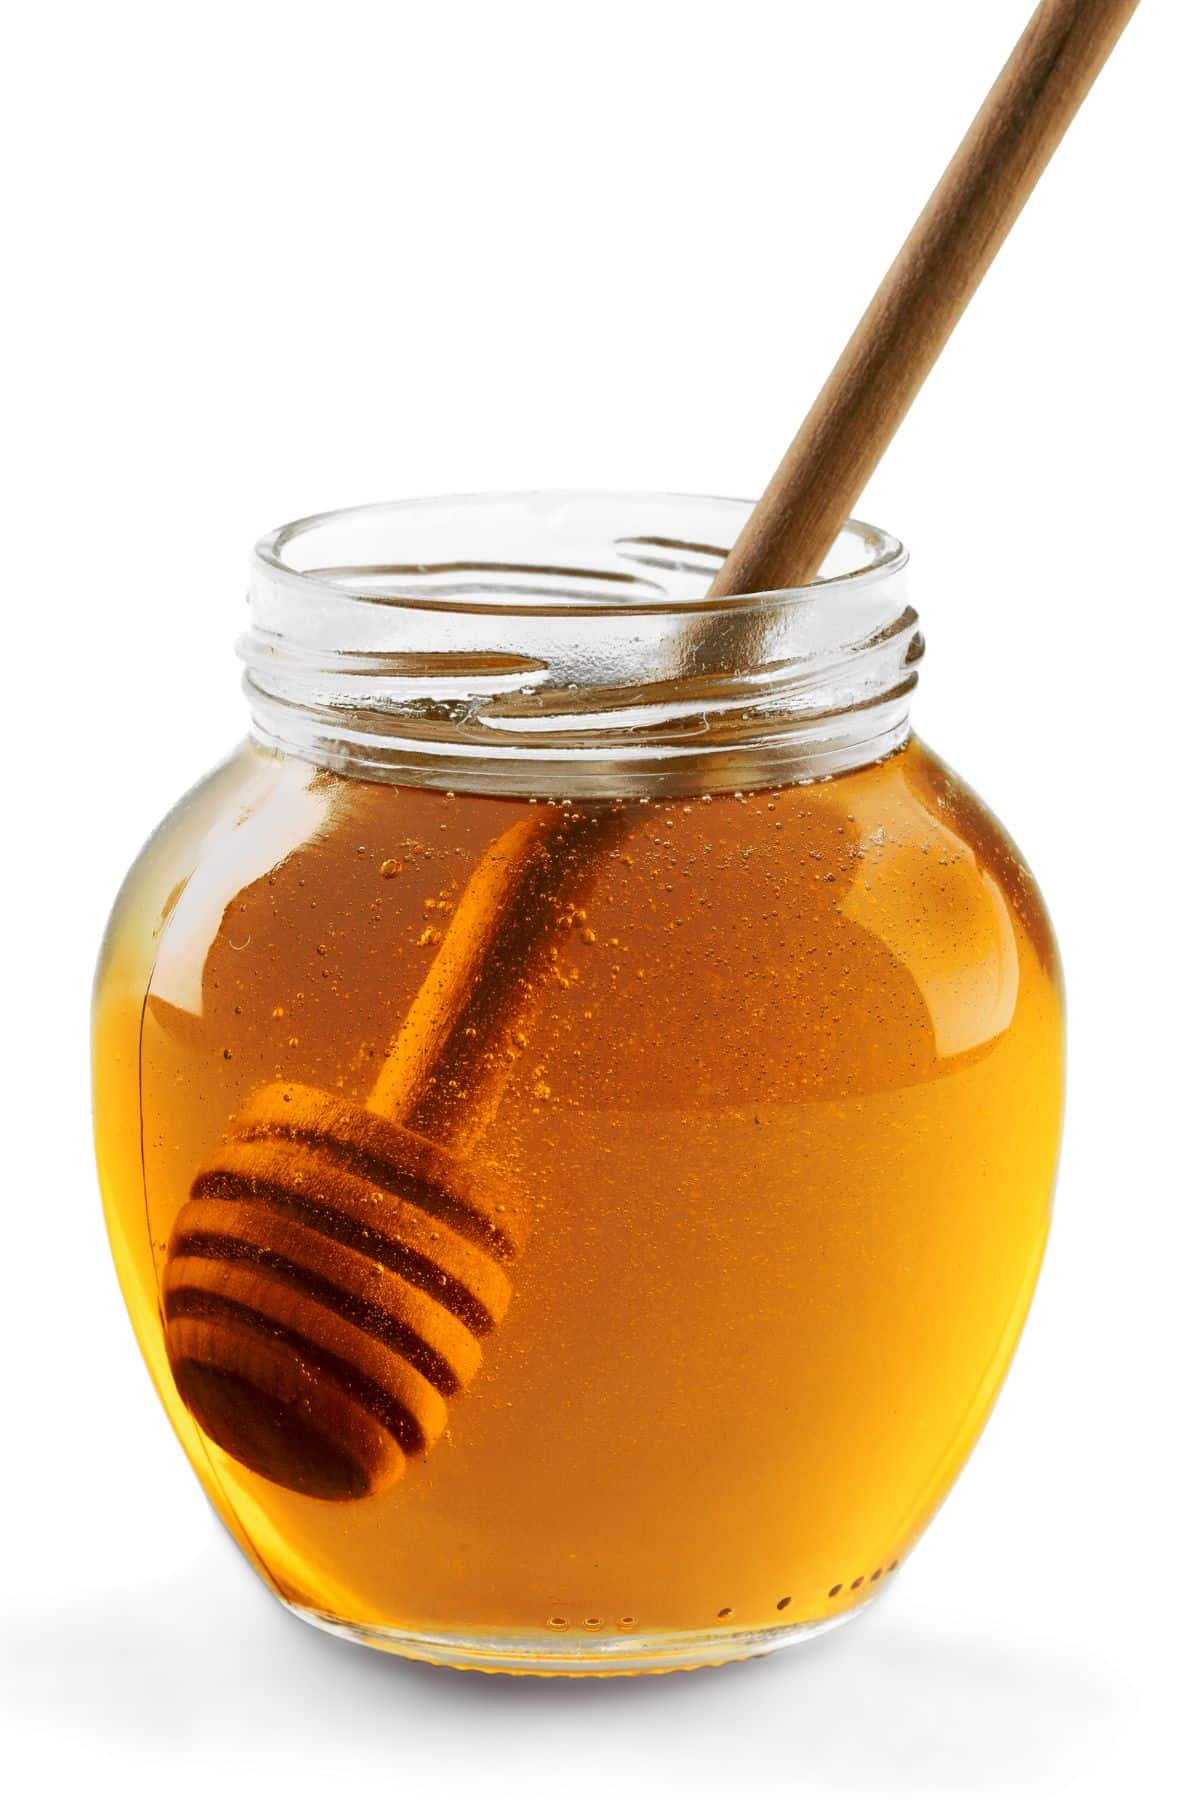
point(788, 1117)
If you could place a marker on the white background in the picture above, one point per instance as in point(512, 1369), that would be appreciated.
point(269, 258)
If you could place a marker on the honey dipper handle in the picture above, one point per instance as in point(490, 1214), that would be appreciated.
point(923, 295)
point(461, 1039)
point(452, 1059)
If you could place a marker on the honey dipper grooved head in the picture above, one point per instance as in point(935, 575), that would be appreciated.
point(326, 1288)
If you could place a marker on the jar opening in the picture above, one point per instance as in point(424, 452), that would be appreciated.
point(556, 644)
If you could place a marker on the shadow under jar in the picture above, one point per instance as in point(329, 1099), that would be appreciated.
point(645, 1322)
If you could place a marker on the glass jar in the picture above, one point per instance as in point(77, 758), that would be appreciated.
point(578, 1091)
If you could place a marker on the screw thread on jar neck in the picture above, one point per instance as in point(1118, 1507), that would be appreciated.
point(563, 645)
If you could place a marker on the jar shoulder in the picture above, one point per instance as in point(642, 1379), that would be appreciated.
point(885, 908)
point(189, 835)
point(941, 794)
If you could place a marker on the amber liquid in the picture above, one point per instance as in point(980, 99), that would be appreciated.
point(788, 1115)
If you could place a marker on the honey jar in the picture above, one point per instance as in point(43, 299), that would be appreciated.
point(578, 1091)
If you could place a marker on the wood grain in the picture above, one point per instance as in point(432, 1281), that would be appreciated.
point(923, 295)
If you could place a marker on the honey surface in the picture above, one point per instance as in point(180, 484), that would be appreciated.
point(787, 1118)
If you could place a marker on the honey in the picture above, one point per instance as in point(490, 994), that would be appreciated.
point(780, 1118)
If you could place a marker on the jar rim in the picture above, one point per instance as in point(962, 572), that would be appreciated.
point(882, 555)
point(564, 641)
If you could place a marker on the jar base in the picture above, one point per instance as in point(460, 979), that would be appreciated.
point(597, 1655)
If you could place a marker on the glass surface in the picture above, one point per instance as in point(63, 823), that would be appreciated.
point(736, 1182)
point(562, 644)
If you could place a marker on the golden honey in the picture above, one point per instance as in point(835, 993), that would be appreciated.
point(785, 1114)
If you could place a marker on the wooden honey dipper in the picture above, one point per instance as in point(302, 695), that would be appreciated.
point(331, 1275)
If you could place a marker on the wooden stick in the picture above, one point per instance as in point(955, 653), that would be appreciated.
point(923, 295)
point(450, 1062)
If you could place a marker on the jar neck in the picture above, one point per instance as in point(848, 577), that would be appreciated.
point(561, 646)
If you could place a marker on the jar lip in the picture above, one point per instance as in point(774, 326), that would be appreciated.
point(564, 642)
point(883, 556)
